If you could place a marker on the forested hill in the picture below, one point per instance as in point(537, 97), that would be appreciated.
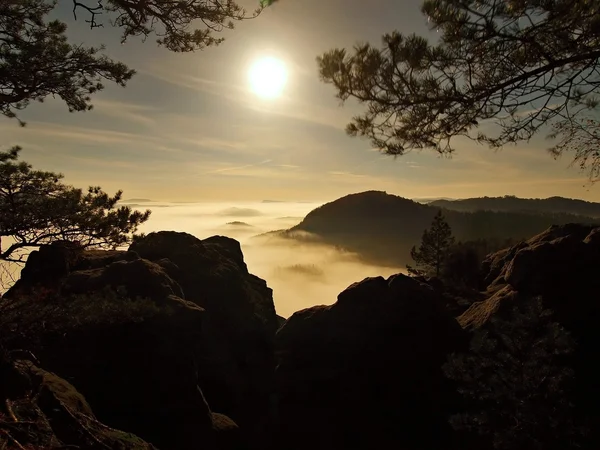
point(382, 228)
point(510, 203)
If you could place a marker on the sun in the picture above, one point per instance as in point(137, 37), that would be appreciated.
point(268, 77)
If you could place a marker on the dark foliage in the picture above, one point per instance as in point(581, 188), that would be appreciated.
point(36, 208)
point(434, 249)
point(517, 382)
point(179, 26)
point(524, 64)
point(37, 61)
point(462, 267)
point(510, 203)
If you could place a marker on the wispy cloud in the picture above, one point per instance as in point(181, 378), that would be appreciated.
point(229, 91)
point(237, 168)
point(286, 106)
point(128, 111)
point(346, 174)
point(74, 133)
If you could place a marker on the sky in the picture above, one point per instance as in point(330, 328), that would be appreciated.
point(187, 127)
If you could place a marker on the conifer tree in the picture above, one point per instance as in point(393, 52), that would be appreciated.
point(37, 208)
point(526, 66)
point(38, 61)
point(516, 382)
point(434, 248)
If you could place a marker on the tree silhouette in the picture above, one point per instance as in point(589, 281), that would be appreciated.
point(37, 61)
point(462, 265)
point(524, 64)
point(515, 382)
point(434, 249)
point(36, 208)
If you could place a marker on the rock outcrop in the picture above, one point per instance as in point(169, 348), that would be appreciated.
point(366, 372)
point(561, 266)
point(40, 410)
point(175, 341)
point(239, 325)
point(154, 335)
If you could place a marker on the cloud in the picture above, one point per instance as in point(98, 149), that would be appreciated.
point(264, 171)
point(347, 174)
point(316, 276)
point(128, 111)
point(179, 78)
point(77, 134)
point(237, 168)
point(285, 106)
point(288, 166)
point(240, 212)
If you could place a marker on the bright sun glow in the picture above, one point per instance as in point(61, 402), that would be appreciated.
point(268, 77)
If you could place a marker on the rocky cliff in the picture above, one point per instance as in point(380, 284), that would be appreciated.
point(43, 411)
point(365, 372)
point(560, 266)
point(175, 341)
point(170, 340)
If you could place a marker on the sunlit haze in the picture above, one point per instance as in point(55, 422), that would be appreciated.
point(328, 271)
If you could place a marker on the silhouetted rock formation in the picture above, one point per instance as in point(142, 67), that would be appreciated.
point(561, 266)
point(240, 324)
point(40, 410)
point(155, 335)
point(365, 372)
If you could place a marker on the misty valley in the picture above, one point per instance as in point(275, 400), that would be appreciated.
point(283, 317)
point(299, 225)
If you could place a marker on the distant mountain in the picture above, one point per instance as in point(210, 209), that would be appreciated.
point(238, 224)
point(382, 228)
point(429, 200)
point(510, 203)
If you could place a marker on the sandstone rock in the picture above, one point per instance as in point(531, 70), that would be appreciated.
point(228, 435)
point(239, 325)
point(593, 238)
point(365, 372)
point(47, 412)
point(152, 337)
point(560, 266)
point(138, 278)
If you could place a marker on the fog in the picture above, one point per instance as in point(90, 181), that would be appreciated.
point(301, 275)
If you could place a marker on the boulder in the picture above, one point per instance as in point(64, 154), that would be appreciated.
point(228, 435)
point(493, 265)
point(154, 336)
point(43, 411)
point(560, 264)
point(366, 372)
point(239, 325)
point(137, 278)
point(136, 360)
